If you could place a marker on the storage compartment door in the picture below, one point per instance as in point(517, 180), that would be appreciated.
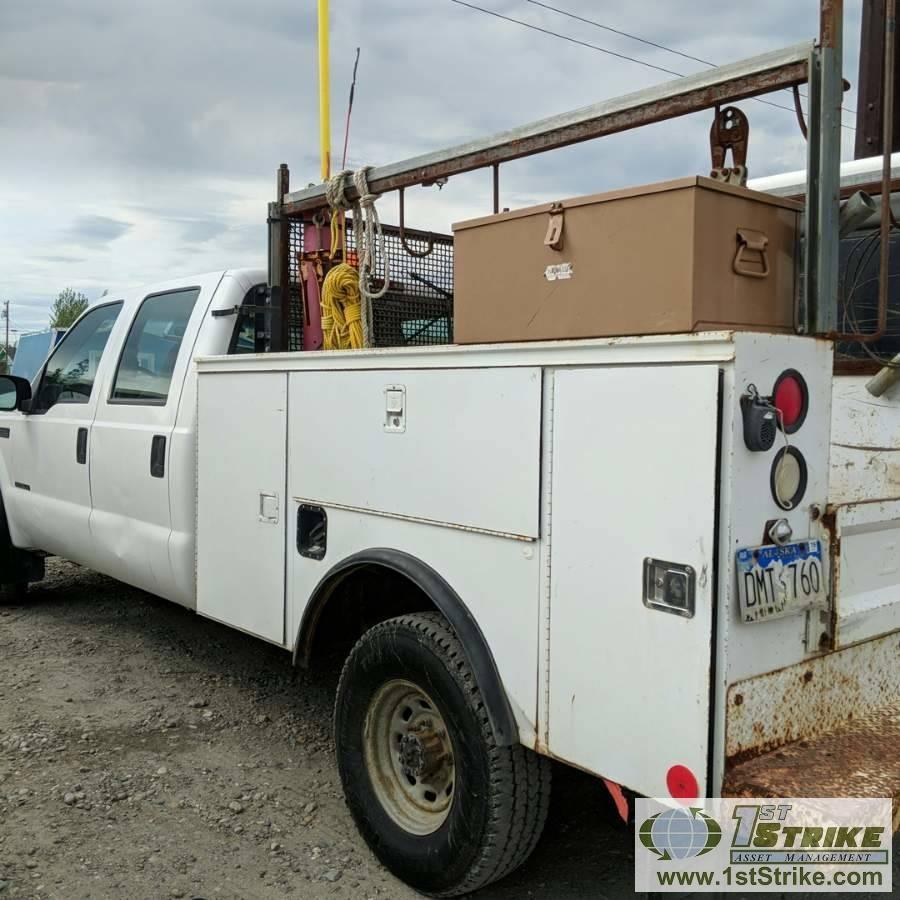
point(634, 477)
point(241, 464)
point(451, 447)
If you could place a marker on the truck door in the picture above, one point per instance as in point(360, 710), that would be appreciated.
point(130, 444)
point(632, 580)
point(49, 494)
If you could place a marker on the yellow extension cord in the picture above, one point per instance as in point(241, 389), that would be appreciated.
point(342, 327)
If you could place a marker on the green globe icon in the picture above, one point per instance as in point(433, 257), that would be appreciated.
point(680, 833)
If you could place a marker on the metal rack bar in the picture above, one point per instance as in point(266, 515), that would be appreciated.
point(756, 75)
point(824, 167)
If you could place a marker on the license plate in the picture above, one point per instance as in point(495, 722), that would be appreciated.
point(776, 581)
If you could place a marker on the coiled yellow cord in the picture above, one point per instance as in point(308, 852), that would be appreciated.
point(342, 326)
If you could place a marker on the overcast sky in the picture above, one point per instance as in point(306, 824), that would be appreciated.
point(139, 140)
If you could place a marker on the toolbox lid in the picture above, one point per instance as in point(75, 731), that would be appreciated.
point(659, 187)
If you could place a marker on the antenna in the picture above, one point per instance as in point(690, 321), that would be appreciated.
point(350, 110)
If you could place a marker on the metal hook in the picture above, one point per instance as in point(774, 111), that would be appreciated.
point(410, 250)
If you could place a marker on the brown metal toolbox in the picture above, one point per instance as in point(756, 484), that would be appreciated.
point(687, 255)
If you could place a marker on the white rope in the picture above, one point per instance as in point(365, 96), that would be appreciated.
point(335, 191)
point(369, 236)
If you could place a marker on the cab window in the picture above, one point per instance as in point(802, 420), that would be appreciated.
point(249, 334)
point(69, 374)
point(151, 349)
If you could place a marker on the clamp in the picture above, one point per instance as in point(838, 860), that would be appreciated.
point(730, 131)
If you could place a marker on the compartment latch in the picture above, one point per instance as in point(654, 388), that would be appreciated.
point(554, 237)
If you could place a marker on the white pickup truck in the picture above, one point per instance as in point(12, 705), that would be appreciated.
point(585, 550)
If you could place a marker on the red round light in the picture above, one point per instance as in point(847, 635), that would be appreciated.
point(681, 783)
point(791, 398)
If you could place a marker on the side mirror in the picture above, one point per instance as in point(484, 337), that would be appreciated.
point(15, 393)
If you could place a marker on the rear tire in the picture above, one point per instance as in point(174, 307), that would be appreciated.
point(438, 802)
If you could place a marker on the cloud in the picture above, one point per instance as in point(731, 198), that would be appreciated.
point(59, 258)
point(200, 230)
point(89, 230)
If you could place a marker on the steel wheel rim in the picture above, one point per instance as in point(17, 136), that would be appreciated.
point(409, 757)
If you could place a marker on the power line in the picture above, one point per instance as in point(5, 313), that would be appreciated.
point(565, 37)
point(590, 46)
point(635, 37)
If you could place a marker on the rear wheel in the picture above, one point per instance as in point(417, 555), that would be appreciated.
point(439, 803)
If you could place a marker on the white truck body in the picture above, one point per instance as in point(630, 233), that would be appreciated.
point(532, 479)
point(535, 479)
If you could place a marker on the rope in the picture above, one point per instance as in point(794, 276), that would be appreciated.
point(337, 293)
point(370, 237)
point(342, 320)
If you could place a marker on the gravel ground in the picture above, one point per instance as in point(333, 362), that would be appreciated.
point(146, 752)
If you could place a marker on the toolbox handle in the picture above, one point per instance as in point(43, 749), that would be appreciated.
point(748, 239)
point(554, 237)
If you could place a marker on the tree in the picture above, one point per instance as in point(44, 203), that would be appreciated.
point(67, 307)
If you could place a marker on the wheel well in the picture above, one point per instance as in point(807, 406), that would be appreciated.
point(355, 601)
point(378, 584)
point(17, 566)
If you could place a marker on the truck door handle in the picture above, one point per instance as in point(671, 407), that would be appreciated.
point(81, 446)
point(158, 456)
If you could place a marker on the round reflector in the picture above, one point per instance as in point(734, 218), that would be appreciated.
point(791, 398)
point(681, 783)
point(788, 478)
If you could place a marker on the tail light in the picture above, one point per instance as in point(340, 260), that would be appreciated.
point(788, 478)
point(790, 396)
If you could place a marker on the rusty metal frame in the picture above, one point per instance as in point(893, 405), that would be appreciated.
point(758, 75)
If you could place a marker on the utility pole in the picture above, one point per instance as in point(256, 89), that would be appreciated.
point(869, 104)
point(6, 316)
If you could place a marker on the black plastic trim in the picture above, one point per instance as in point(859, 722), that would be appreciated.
point(4, 432)
point(158, 456)
point(81, 442)
point(448, 602)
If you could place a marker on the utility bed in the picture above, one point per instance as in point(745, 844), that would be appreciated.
point(539, 479)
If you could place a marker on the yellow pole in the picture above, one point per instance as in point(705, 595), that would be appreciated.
point(324, 92)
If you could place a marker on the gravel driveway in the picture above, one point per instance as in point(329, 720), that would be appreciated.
point(146, 752)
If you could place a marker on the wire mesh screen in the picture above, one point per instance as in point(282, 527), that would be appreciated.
point(858, 300)
point(417, 309)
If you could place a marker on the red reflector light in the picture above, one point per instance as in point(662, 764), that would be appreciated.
point(681, 783)
point(791, 398)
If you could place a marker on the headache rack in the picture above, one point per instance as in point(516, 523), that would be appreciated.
point(418, 308)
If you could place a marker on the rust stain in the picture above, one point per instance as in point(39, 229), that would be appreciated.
point(857, 759)
point(803, 701)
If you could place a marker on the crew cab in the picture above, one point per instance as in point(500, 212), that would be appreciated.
point(101, 467)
